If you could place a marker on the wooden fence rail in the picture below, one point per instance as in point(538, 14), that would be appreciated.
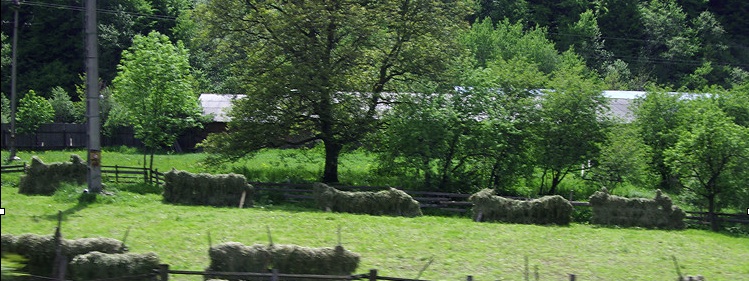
point(14, 168)
point(163, 273)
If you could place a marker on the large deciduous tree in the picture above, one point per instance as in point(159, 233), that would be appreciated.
point(317, 70)
point(659, 116)
point(710, 154)
point(154, 87)
point(573, 125)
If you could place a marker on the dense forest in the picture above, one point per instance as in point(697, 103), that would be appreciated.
point(679, 43)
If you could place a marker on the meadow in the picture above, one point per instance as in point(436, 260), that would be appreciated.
point(396, 246)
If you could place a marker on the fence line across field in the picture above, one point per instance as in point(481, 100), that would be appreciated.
point(444, 201)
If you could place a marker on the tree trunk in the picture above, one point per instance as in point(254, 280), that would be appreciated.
point(711, 214)
point(332, 151)
point(555, 180)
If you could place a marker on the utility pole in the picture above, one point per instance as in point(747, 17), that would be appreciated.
point(13, 95)
point(92, 100)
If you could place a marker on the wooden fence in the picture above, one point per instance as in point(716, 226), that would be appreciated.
point(443, 201)
point(125, 174)
point(163, 275)
point(14, 168)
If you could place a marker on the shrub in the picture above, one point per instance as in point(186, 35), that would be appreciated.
point(656, 213)
point(386, 202)
point(545, 210)
point(205, 189)
point(40, 250)
point(97, 265)
point(33, 111)
point(45, 179)
point(289, 259)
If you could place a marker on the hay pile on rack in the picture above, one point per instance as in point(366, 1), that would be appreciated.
point(386, 202)
point(97, 265)
point(288, 259)
point(40, 249)
point(205, 189)
point(546, 210)
point(659, 212)
point(45, 179)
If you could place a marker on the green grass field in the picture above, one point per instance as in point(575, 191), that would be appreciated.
point(395, 246)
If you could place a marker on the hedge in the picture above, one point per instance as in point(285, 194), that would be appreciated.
point(45, 179)
point(546, 210)
point(205, 189)
point(288, 259)
point(640, 212)
point(386, 202)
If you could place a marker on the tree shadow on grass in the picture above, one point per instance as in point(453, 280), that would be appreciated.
point(84, 200)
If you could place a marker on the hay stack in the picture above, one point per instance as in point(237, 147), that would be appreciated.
point(650, 213)
point(386, 202)
point(289, 259)
point(98, 265)
point(40, 250)
point(545, 210)
point(205, 189)
point(45, 179)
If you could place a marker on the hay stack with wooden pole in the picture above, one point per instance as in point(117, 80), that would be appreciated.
point(391, 201)
point(659, 212)
point(546, 210)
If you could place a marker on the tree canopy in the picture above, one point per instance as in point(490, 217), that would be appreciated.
point(318, 70)
point(154, 87)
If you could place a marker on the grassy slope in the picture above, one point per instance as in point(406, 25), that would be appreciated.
point(396, 246)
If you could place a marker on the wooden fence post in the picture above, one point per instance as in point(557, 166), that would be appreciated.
point(573, 277)
point(163, 272)
point(274, 276)
point(373, 275)
point(116, 173)
point(469, 278)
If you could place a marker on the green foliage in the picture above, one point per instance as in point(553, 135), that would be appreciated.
point(6, 51)
point(33, 111)
point(317, 72)
point(386, 202)
point(288, 259)
point(11, 266)
point(659, 116)
point(573, 125)
point(44, 179)
point(545, 210)
point(97, 265)
point(64, 107)
point(656, 213)
point(709, 152)
point(205, 189)
point(623, 160)
point(510, 41)
point(154, 87)
point(5, 114)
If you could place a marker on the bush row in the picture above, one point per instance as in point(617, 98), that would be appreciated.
point(205, 189)
point(44, 179)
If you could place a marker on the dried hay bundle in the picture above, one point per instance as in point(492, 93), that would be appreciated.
point(545, 210)
point(40, 250)
point(205, 189)
point(44, 179)
point(98, 265)
point(289, 259)
point(650, 213)
point(386, 202)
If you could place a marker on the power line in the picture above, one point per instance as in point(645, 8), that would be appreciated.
point(81, 9)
